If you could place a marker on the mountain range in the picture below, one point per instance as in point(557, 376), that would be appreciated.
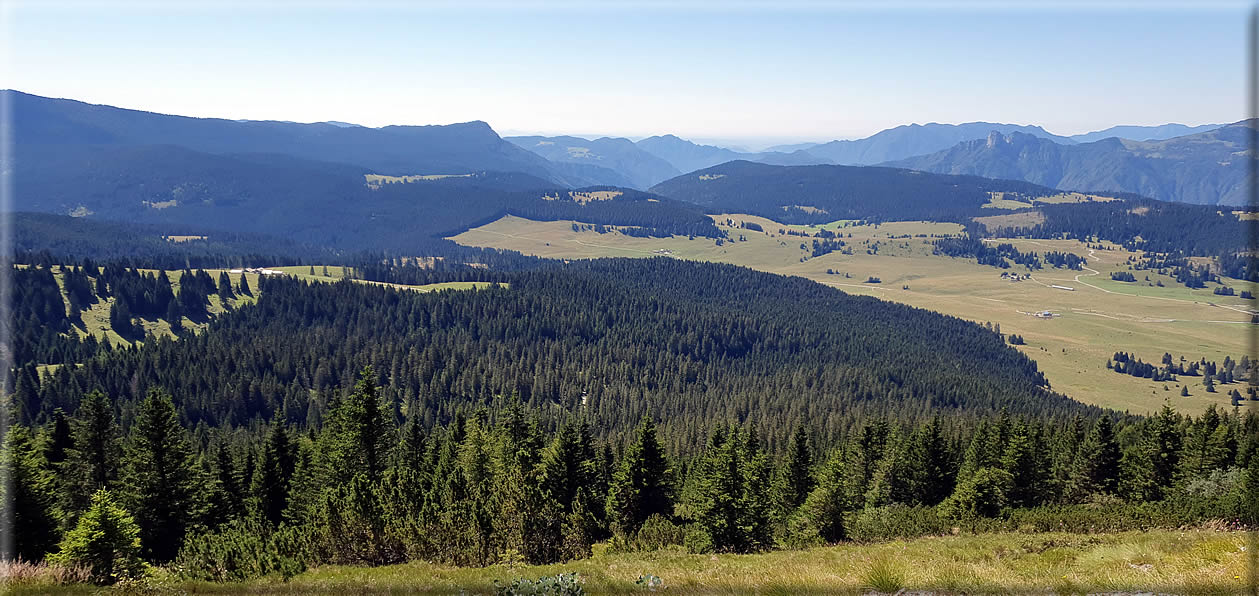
point(79, 158)
point(1203, 168)
point(1148, 160)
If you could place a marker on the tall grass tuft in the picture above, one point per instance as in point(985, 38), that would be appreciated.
point(883, 577)
point(19, 573)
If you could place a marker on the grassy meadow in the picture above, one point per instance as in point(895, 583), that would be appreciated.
point(1091, 322)
point(95, 319)
point(1197, 561)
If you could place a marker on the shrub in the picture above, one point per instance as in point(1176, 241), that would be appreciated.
point(239, 552)
point(895, 521)
point(563, 584)
point(983, 494)
point(106, 541)
point(699, 542)
point(657, 532)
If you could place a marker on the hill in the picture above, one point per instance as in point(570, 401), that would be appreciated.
point(394, 150)
point(917, 139)
point(1203, 168)
point(319, 204)
point(1143, 133)
point(824, 193)
point(640, 168)
point(688, 157)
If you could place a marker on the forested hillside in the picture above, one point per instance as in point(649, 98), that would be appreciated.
point(819, 194)
point(694, 342)
point(330, 206)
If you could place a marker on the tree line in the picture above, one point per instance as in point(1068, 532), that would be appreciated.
point(499, 487)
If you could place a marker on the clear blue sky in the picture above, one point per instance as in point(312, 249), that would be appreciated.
point(749, 72)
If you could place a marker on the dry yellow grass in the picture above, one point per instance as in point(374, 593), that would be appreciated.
point(1096, 320)
point(1164, 562)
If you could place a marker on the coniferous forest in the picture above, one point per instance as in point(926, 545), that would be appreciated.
point(639, 403)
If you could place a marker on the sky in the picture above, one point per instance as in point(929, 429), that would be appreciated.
point(741, 73)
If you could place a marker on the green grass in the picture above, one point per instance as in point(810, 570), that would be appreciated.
point(1071, 349)
point(1181, 562)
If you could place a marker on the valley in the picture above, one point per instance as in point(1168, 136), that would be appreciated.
point(1089, 323)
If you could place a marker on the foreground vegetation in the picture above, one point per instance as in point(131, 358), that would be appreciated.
point(1199, 561)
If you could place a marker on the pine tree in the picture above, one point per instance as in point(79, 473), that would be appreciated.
point(28, 500)
point(642, 484)
point(227, 501)
point(1097, 464)
point(93, 464)
point(357, 438)
point(864, 456)
point(568, 464)
point(795, 479)
point(821, 518)
point(270, 488)
point(1250, 492)
point(895, 477)
point(60, 438)
point(937, 466)
point(106, 540)
point(225, 287)
point(175, 317)
point(1027, 469)
point(162, 483)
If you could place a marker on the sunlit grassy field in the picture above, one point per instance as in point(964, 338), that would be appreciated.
point(1163, 562)
point(95, 319)
point(1091, 322)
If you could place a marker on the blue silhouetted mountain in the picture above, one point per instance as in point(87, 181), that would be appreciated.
point(1143, 133)
point(823, 193)
point(606, 156)
point(1204, 168)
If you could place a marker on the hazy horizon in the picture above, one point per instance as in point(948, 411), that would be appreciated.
point(745, 74)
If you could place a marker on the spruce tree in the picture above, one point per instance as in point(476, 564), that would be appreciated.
point(358, 435)
point(795, 478)
point(162, 483)
point(642, 483)
point(568, 464)
point(93, 463)
point(1097, 464)
point(60, 438)
point(225, 287)
point(105, 540)
point(270, 487)
point(937, 465)
point(821, 518)
point(27, 500)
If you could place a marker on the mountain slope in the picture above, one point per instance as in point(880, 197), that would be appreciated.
point(1204, 168)
point(315, 203)
point(393, 150)
point(688, 157)
point(823, 193)
point(640, 168)
point(1143, 133)
point(916, 139)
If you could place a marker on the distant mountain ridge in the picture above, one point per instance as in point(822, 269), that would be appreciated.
point(392, 150)
point(917, 139)
point(1144, 133)
point(824, 193)
point(1203, 168)
point(620, 157)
